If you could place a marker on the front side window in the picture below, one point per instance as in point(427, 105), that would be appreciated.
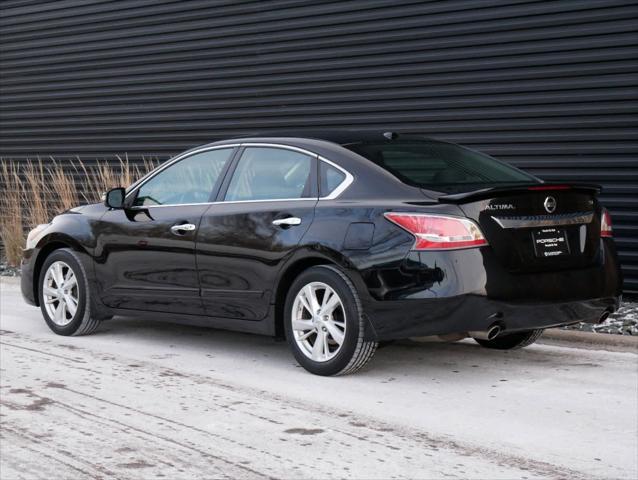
point(266, 173)
point(440, 166)
point(190, 180)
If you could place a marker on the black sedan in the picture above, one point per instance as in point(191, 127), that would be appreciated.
point(335, 242)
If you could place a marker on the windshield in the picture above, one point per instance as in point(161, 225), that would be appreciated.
point(441, 166)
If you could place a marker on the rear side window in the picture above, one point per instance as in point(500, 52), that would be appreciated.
point(329, 178)
point(190, 180)
point(265, 173)
point(441, 166)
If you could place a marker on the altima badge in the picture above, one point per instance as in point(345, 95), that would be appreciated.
point(505, 206)
point(550, 204)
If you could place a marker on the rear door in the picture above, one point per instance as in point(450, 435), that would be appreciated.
point(539, 227)
point(147, 251)
point(262, 212)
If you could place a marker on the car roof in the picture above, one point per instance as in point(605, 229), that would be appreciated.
point(340, 137)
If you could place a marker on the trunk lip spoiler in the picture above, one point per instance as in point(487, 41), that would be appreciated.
point(533, 221)
point(518, 189)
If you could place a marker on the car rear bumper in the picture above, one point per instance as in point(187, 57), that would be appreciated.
point(438, 293)
point(475, 313)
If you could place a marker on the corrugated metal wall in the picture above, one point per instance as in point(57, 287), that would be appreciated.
point(549, 86)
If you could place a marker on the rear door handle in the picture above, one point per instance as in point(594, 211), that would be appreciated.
point(181, 229)
point(287, 222)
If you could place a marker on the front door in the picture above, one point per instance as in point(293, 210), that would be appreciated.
point(263, 210)
point(146, 252)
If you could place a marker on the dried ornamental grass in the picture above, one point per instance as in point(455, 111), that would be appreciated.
point(34, 181)
point(62, 188)
point(35, 193)
point(11, 206)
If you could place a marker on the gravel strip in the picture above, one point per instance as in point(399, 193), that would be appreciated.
point(623, 322)
point(7, 271)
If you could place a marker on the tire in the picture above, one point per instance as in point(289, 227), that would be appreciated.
point(334, 358)
point(512, 341)
point(75, 319)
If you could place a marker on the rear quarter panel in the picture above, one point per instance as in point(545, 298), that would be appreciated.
point(363, 241)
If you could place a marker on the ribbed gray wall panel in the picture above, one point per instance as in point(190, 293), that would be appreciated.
point(550, 86)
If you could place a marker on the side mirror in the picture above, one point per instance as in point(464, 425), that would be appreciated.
point(114, 198)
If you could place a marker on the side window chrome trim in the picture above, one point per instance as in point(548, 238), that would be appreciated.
point(306, 199)
point(135, 186)
point(142, 207)
point(349, 178)
point(343, 185)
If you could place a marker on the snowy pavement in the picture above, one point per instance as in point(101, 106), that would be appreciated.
point(144, 400)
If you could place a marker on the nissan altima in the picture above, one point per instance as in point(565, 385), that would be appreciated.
point(335, 242)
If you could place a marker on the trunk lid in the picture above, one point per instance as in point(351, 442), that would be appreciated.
point(538, 227)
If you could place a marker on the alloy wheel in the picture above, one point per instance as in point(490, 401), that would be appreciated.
point(60, 292)
point(318, 321)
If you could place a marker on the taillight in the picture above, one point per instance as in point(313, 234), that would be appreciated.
point(439, 232)
point(605, 224)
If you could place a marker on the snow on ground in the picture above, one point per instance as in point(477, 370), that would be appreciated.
point(145, 400)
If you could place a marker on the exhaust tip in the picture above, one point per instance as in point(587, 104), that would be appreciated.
point(604, 316)
point(493, 332)
point(490, 334)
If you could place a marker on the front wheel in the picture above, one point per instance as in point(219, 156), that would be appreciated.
point(64, 294)
point(324, 323)
point(512, 341)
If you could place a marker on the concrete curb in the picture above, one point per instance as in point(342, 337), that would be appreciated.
point(605, 341)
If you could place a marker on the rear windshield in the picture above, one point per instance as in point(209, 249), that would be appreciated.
point(441, 166)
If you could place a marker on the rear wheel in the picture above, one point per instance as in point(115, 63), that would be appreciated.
point(511, 341)
point(64, 294)
point(324, 323)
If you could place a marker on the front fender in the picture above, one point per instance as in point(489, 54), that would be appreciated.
point(72, 229)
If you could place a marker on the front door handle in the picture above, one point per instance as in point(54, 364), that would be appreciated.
point(181, 229)
point(287, 222)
